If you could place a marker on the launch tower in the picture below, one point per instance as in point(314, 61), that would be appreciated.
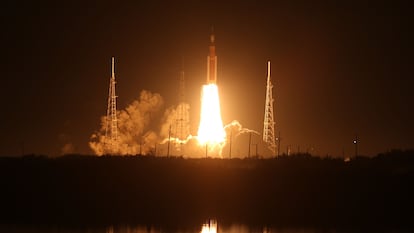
point(182, 121)
point(269, 123)
point(111, 130)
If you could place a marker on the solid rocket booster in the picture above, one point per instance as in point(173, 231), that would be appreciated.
point(212, 62)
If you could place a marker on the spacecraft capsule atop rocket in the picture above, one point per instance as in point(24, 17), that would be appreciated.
point(212, 62)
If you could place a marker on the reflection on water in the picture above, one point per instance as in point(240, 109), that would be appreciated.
point(128, 229)
point(209, 227)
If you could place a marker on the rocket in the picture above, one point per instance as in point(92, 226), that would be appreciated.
point(212, 62)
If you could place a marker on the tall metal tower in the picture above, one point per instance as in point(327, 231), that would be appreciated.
point(111, 130)
point(182, 121)
point(269, 123)
point(181, 91)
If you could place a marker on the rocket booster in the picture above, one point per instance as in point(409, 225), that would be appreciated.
point(212, 62)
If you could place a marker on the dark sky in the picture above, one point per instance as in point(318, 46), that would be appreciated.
point(339, 69)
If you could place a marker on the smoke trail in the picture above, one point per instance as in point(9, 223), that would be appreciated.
point(237, 129)
point(134, 137)
point(189, 147)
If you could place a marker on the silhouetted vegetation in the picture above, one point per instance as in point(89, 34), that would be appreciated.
point(289, 190)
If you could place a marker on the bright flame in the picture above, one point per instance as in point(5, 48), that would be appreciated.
point(210, 130)
point(210, 227)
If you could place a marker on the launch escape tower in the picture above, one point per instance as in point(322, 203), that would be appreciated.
point(269, 123)
point(111, 129)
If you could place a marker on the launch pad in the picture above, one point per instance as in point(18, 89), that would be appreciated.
point(127, 136)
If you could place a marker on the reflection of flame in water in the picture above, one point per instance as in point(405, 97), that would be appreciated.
point(210, 227)
point(210, 131)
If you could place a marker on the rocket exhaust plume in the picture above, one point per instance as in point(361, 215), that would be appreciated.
point(136, 120)
point(211, 132)
point(211, 129)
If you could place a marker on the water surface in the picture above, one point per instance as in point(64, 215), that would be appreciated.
point(208, 227)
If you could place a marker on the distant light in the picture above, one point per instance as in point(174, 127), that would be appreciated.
point(355, 141)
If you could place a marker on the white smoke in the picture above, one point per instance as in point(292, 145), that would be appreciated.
point(176, 129)
point(176, 122)
point(137, 125)
point(236, 129)
point(134, 135)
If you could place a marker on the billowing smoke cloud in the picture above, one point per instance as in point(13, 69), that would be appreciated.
point(137, 125)
point(236, 129)
point(176, 122)
point(176, 130)
point(134, 135)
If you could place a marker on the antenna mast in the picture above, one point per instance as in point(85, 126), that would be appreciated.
point(111, 130)
point(269, 123)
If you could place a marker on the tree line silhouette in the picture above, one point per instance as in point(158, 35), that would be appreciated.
point(297, 190)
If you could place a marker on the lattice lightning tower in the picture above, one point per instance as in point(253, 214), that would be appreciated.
point(269, 123)
point(182, 129)
point(111, 130)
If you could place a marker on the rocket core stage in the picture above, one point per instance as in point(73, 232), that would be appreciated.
point(211, 133)
point(212, 62)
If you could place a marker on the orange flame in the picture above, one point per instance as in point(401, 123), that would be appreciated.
point(210, 227)
point(210, 130)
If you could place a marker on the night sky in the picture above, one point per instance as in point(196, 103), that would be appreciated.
point(338, 69)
